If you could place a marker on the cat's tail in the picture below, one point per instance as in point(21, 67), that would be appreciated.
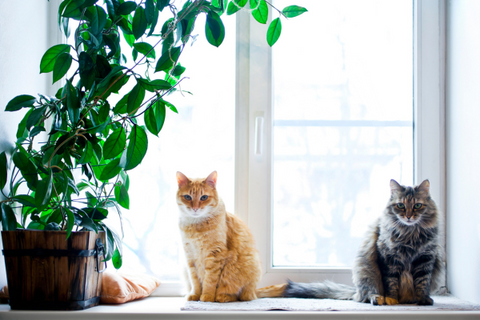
point(316, 290)
point(274, 291)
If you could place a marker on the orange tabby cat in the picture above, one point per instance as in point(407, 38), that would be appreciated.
point(223, 264)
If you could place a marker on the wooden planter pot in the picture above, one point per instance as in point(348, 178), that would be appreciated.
point(47, 271)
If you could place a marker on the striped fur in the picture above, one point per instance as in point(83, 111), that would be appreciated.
point(400, 259)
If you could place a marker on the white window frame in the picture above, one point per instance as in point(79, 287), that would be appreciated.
point(254, 127)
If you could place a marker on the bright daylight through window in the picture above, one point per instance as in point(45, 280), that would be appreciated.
point(342, 128)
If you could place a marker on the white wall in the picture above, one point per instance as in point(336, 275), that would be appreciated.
point(463, 148)
point(26, 32)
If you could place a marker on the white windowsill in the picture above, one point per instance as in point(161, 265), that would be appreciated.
point(169, 308)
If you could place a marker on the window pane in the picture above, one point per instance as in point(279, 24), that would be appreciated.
point(343, 125)
point(196, 141)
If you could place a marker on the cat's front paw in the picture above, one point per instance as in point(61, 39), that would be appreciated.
point(377, 300)
point(193, 297)
point(207, 298)
point(224, 297)
point(425, 301)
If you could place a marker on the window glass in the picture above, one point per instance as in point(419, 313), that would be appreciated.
point(343, 125)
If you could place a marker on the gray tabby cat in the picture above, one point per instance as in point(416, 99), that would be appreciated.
point(400, 260)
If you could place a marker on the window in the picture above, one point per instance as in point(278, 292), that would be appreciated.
point(266, 144)
point(290, 138)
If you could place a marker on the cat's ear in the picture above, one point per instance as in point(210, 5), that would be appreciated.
point(181, 179)
point(212, 179)
point(395, 186)
point(424, 186)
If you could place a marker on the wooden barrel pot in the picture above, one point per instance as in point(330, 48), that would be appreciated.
point(47, 271)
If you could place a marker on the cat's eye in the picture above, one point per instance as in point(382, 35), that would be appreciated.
point(418, 205)
point(204, 197)
point(187, 197)
point(400, 206)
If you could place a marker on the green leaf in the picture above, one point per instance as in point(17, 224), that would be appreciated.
point(70, 221)
point(26, 200)
point(170, 106)
point(139, 23)
point(167, 59)
point(48, 60)
point(73, 9)
point(19, 102)
point(27, 168)
point(44, 191)
point(293, 11)
point(214, 29)
point(115, 144)
point(234, 6)
point(88, 224)
point(98, 19)
point(154, 85)
point(87, 153)
point(149, 11)
point(126, 7)
point(121, 195)
point(260, 13)
point(145, 48)
point(36, 130)
point(273, 32)
point(35, 117)
point(3, 169)
point(161, 4)
point(111, 170)
point(73, 103)
point(155, 117)
point(9, 221)
point(56, 216)
point(178, 70)
point(135, 98)
point(137, 147)
point(117, 259)
point(86, 69)
point(62, 64)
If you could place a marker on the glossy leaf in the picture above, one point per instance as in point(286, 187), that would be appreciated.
point(70, 218)
point(36, 130)
point(19, 102)
point(9, 221)
point(137, 147)
point(121, 195)
point(87, 153)
point(44, 191)
point(214, 29)
point(117, 259)
point(61, 66)
point(154, 85)
point(260, 13)
point(88, 224)
point(50, 57)
point(27, 168)
point(3, 169)
point(26, 200)
point(293, 11)
point(115, 144)
point(126, 8)
point(149, 11)
point(274, 31)
point(98, 19)
point(232, 8)
point(178, 70)
point(145, 48)
point(155, 117)
point(86, 69)
point(73, 102)
point(161, 4)
point(73, 9)
point(135, 98)
point(111, 170)
point(139, 23)
point(167, 59)
point(35, 117)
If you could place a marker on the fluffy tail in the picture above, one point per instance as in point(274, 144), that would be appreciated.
point(319, 290)
point(271, 291)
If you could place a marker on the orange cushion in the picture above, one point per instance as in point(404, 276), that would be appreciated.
point(120, 287)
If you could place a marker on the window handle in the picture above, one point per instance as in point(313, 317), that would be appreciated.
point(258, 135)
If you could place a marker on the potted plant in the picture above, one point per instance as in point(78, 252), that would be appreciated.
point(62, 188)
